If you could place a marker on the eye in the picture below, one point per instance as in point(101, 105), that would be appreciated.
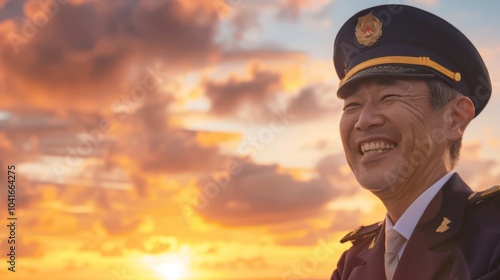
point(389, 97)
point(351, 105)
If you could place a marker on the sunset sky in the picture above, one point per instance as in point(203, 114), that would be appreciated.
point(192, 139)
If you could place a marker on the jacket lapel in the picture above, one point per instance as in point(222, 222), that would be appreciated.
point(371, 260)
point(440, 222)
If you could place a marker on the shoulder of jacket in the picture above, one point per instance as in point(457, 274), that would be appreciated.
point(488, 195)
point(362, 233)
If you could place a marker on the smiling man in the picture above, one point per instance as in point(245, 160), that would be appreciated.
point(411, 83)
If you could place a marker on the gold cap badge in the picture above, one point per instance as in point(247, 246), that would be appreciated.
point(368, 30)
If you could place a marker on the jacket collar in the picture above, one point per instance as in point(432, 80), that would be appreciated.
point(441, 221)
point(450, 203)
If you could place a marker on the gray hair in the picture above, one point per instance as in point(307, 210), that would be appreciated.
point(441, 94)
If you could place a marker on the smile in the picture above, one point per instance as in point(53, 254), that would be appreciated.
point(376, 147)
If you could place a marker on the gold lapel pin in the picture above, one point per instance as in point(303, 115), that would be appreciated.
point(444, 225)
point(372, 244)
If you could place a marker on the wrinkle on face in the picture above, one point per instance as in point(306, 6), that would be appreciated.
point(393, 110)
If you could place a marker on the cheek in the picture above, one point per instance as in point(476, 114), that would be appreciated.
point(345, 127)
point(416, 135)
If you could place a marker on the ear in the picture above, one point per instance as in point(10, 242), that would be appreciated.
point(459, 113)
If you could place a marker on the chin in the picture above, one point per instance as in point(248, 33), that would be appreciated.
point(376, 182)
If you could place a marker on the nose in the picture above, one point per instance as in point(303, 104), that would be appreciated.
point(369, 117)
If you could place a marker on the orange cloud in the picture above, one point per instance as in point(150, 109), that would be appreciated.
point(291, 9)
point(307, 104)
point(65, 61)
point(260, 194)
point(227, 98)
point(479, 173)
point(208, 138)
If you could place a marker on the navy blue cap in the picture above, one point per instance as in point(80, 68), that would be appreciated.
point(404, 41)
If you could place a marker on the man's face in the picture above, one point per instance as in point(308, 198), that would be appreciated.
point(390, 133)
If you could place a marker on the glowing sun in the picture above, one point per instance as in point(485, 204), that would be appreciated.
point(170, 266)
point(171, 270)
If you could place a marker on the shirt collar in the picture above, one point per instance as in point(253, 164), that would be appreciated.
point(408, 221)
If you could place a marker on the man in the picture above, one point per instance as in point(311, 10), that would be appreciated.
point(411, 83)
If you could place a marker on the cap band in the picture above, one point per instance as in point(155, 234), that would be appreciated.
point(410, 60)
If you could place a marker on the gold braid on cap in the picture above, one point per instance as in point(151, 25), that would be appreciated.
point(410, 60)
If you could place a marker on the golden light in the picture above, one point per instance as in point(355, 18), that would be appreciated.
point(171, 270)
point(173, 266)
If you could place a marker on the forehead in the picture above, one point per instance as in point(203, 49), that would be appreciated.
point(399, 84)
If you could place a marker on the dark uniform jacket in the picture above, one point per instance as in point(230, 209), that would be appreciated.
point(458, 237)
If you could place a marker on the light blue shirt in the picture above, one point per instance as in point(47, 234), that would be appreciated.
point(408, 221)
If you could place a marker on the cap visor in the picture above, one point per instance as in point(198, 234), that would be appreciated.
point(385, 71)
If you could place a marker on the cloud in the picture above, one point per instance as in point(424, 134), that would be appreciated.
point(261, 194)
point(158, 147)
point(477, 172)
point(269, 53)
point(335, 169)
point(255, 194)
point(290, 10)
point(28, 196)
point(117, 222)
point(422, 2)
point(229, 97)
point(331, 165)
point(177, 152)
point(28, 248)
point(307, 104)
point(341, 220)
point(11, 9)
point(242, 22)
point(238, 263)
point(72, 62)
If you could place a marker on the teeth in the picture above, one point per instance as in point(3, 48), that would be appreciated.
point(376, 147)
